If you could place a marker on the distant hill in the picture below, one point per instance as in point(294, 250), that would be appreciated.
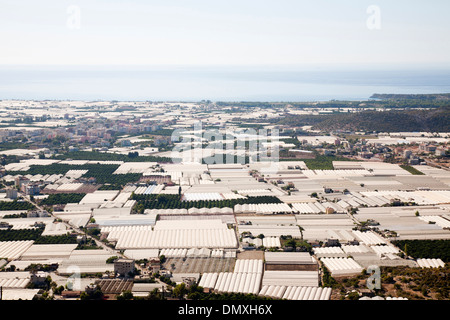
point(423, 97)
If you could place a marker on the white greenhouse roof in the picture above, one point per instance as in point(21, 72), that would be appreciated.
point(19, 294)
point(430, 263)
point(39, 251)
point(14, 249)
point(291, 278)
point(342, 266)
point(14, 280)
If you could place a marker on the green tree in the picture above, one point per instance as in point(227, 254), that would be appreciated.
point(97, 294)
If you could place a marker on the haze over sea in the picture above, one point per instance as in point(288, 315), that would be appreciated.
point(217, 83)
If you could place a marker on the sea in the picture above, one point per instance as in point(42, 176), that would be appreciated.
point(215, 83)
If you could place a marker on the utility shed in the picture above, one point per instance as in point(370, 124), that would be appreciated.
point(290, 261)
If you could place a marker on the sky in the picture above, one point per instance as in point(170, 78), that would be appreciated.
point(233, 32)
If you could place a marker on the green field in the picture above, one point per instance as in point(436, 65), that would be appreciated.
point(323, 162)
point(425, 249)
point(62, 198)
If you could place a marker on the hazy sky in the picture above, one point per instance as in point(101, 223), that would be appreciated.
point(231, 32)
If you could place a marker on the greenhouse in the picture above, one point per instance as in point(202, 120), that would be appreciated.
point(295, 292)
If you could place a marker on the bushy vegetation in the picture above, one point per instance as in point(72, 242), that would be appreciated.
point(12, 145)
point(62, 198)
point(96, 294)
point(296, 244)
point(327, 279)
point(104, 156)
point(15, 205)
point(172, 201)
point(425, 249)
point(412, 170)
point(392, 121)
point(401, 281)
point(112, 259)
point(39, 267)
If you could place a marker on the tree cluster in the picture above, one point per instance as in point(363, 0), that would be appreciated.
point(106, 156)
point(15, 205)
point(172, 201)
